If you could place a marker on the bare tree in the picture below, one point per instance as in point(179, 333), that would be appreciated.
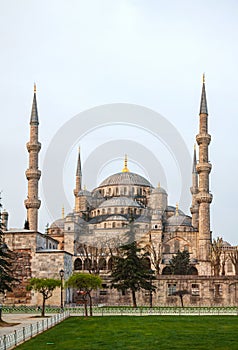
point(234, 259)
point(216, 251)
point(153, 250)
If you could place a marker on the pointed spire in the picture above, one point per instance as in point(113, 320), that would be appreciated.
point(125, 169)
point(34, 113)
point(194, 160)
point(79, 171)
point(203, 105)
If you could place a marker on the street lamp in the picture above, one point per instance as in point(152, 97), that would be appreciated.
point(61, 273)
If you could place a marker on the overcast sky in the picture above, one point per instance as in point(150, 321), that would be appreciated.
point(83, 54)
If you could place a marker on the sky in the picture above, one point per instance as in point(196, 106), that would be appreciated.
point(86, 54)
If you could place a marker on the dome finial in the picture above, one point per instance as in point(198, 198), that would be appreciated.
point(34, 88)
point(62, 212)
point(177, 210)
point(158, 184)
point(203, 78)
point(125, 169)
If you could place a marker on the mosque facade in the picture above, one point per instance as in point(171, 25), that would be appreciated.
point(124, 208)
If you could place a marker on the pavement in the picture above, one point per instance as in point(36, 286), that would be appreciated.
point(22, 319)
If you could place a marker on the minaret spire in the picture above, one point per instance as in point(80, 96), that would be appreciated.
point(203, 104)
point(204, 197)
point(33, 174)
point(194, 190)
point(78, 182)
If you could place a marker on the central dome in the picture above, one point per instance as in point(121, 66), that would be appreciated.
point(125, 178)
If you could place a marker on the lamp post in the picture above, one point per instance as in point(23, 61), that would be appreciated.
point(61, 273)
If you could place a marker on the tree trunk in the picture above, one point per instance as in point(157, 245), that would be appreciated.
point(1, 314)
point(43, 307)
point(90, 305)
point(134, 298)
point(85, 308)
point(151, 299)
point(181, 299)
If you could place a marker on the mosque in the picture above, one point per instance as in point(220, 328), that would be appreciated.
point(124, 208)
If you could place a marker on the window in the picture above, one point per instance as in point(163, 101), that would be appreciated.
point(195, 290)
point(229, 267)
point(113, 224)
point(167, 249)
point(171, 288)
point(78, 264)
point(217, 290)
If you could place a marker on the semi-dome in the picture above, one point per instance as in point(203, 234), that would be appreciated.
point(116, 218)
point(119, 202)
point(125, 178)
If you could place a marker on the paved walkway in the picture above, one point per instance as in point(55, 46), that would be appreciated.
point(22, 319)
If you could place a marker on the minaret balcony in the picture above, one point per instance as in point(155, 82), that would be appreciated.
point(204, 167)
point(32, 203)
point(33, 174)
point(35, 147)
point(204, 139)
point(204, 197)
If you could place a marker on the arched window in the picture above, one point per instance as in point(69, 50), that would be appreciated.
point(87, 265)
point(109, 210)
point(105, 225)
point(103, 212)
point(125, 190)
point(102, 264)
point(110, 264)
point(167, 249)
point(78, 264)
point(176, 246)
point(166, 271)
point(115, 210)
point(192, 271)
point(113, 224)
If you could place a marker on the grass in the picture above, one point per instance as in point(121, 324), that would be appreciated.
point(133, 332)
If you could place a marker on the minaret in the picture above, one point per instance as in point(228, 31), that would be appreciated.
point(78, 184)
point(204, 197)
point(194, 191)
point(33, 174)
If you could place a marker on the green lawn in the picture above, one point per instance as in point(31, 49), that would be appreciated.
point(140, 332)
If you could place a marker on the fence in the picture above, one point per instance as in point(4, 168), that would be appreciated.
point(11, 340)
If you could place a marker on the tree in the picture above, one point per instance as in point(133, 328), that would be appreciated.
point(153, 249)
point(85, 283)
point(130, 272)
point(216, 251)
point(45, 286)
point(180, 294)
point(180, 263)
point(6, 265)
point(234, 259)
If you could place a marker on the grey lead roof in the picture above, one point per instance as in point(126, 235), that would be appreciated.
point(203, 105)
point(34, 112)
point(126, 178)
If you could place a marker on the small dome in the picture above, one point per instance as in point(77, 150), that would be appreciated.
point(116, 218)
point(58, 224)
point(119, 202)
point(226, 244)
point(158, 190)
point(125, 178)
point(84, 193)
point(143, 218)
point(179, 220)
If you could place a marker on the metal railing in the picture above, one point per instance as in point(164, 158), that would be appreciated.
point(9, 341)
